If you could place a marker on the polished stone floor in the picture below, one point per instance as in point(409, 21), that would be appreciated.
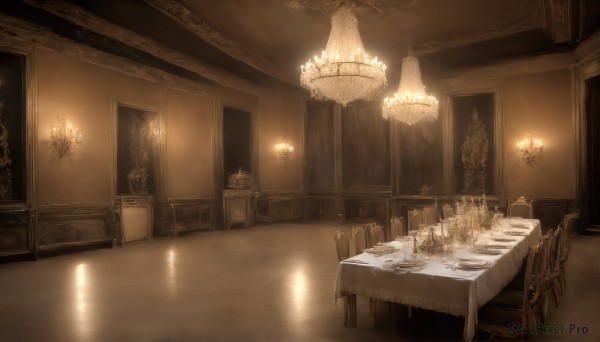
point(264, 283)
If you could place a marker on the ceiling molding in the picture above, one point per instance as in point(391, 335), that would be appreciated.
point(83, 18)
point(478, 36)
point(16, 32)
point(558, 22)
point(204, 31)
point(489, 75)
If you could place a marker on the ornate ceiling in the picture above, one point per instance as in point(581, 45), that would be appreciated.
point(266, 41)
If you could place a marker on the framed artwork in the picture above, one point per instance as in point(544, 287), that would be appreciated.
point(365, 147)
point(13, 127)
point(421, 159)
point(136, 133)
point(476, 144)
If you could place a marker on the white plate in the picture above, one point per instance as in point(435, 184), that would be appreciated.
point(514, 232)
point(472, 263)
point(489, 251)
point(503, 239)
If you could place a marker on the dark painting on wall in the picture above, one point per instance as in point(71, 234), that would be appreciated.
point(421, 159)
point(319, 145)
point(474, 155)
point(12, 127)
point(136, 134)
point(365, 147)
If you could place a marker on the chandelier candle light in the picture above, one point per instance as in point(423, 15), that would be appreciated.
point(284, 150)
point(530, 149)
point(344, 72)
point(62, 135)
point(411, 103)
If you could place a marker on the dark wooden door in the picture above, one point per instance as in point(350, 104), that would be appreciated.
point(592, 167)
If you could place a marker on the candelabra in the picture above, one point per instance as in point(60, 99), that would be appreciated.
point(284, 150)
point(63, 135)
point(530, 149)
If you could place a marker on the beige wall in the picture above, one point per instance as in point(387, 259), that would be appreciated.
point(542, 104)
point(534, 95)
point(189, 131)
point(85, 94)
point(81, 93)
point(281, 119)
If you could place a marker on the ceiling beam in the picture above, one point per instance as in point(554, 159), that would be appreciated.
point(16, 32)
point(83, 18)
point(203, 30)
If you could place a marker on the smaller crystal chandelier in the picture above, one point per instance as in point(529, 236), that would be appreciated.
point(530, 149)
point(411, 103)
point(344, 72)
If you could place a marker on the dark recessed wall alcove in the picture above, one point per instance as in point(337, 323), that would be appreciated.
point(592, 190)
point(237, 142)
point(12, 127)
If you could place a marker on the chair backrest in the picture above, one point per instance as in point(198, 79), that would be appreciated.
point(342, 244)
point(553, 254)
point(520, 208)
point(533, 285)
point(569, 226)
point(447, 211)
point(377, 235)
point(430, 215)
point(415, 219)
point(547, 245)
point(397, 228)
point(359, 236)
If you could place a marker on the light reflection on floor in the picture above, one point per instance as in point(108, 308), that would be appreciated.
point(81, 301)
point(299, 293)
point(171, 271)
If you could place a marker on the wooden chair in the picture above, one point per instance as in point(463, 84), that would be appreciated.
point(569, 223)
point(511, 321)
point(551, 282)
point(415, 219)
point(447, 211)
point(342, 247)
point(359, 237)
point(520, 208)
point(377, 235)
point(397, 228)
point(430, 215)
point(342, 244)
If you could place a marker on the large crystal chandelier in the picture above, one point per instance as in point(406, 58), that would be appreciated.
point(411, 103)
point(344, 72)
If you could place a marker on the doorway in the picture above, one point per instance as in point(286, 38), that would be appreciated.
point(237, 142)
point(591, 190)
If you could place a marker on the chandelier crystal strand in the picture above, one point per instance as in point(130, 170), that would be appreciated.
point(411, 103)
point(344, 72)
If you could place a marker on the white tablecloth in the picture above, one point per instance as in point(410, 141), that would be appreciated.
point(437, 286)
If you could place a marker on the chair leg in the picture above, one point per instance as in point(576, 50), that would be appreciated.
point(373, 303)
point(352, 309)
point(346, 311)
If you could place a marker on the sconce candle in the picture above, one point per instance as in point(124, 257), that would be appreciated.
point(62, 135)
point(529, 148)
point(284, 150)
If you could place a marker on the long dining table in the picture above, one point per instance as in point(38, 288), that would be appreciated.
point(437, 283)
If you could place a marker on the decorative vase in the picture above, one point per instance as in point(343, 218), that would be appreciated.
point(138, 181)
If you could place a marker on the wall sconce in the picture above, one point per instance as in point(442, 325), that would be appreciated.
point(284, 150)
point(530, 149)
point(63, 135)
